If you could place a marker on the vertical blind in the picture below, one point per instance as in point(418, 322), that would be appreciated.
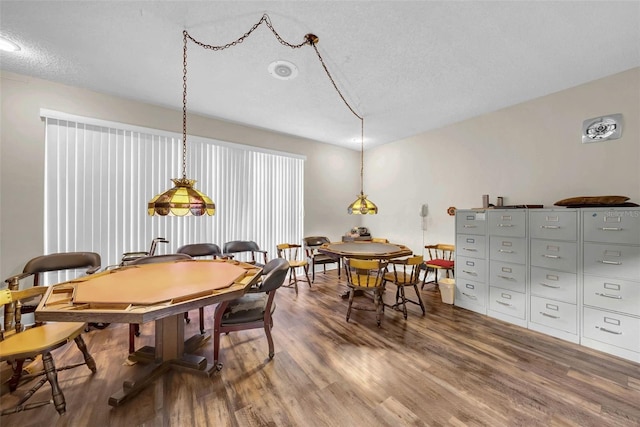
point(99, 177)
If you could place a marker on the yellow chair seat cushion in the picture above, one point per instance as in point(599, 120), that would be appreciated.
point(402, 278)
point(297, 263)
point(364, 281)
point(38, 339)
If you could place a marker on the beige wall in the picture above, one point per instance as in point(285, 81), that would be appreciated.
point(528, 153)
point(331, 173)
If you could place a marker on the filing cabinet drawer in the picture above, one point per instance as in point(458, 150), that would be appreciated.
point(471, 245)
point(554, 225)
point(471, 269)
point(612, 226)
point(613, 294)
point(556, 255)
point(508, 223)
point(507, 302)
point(612, 328)
point(471, 295)
point(471, 222)
point(508, 249)
point(554, 314)
point(612, 261)
point(507, 276)
point(557, 285)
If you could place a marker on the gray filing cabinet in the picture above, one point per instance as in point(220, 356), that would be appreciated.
point(507, 230)
point(570, 273)
point(553, 303)
point(611, 274)
point(471, 260)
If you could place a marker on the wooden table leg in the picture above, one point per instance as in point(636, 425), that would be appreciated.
point(168, 353)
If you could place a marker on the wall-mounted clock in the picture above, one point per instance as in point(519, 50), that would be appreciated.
point(602, 128)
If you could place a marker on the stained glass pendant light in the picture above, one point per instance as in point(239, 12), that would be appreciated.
point(183, 199)
point(362, 205)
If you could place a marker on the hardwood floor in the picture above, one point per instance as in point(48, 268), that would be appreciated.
point(449, 367)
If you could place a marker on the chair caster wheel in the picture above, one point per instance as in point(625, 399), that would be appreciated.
point(271, 355)
point(187, 320)
point(218, 366)
point(137, 334)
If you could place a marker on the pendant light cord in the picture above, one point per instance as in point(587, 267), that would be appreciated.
point(335, 86)
point(310, 39)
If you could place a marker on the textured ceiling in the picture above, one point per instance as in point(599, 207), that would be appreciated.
point(406, 67)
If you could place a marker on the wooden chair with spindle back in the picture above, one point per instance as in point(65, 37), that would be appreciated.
point(406, 273)
point(441, 257)
point(19, 344)
point(366, 275)
point(289, 251)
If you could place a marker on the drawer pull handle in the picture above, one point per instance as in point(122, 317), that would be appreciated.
point(549, 315)
point(611, 228)
point(550, 227)
point(609, 295)
point(505, 225)
point(609, 331)
point(506, 277)
point(550, 286)
point(469, 226)
point(504, 303)
point(551, 256)
point(471, 273)
point(470, 249)
point(604, 261)
point(469, 296)
point(505, 251)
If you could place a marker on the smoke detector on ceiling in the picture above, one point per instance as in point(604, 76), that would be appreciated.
point(283, 70)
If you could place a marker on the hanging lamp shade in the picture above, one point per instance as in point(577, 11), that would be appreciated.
point(362, 206)
point(181, 200)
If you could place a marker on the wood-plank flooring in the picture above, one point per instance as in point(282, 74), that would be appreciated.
point(451, 367)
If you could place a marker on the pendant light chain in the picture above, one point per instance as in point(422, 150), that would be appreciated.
point(266, 20)
point(184, 107)
point(361, 205)
point(186, 36)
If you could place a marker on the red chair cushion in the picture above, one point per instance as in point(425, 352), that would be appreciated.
point(440, 263)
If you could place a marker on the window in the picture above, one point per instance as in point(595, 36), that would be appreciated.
point(100, 175)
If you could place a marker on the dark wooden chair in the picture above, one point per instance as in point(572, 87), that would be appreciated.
point(249, 248)
point(441, 257)
point(405, 273)
point(56, 262)
point(311, 245)
point(196, 250)
point(252, 310)
point(366, 275)
point(289, 251)
point(134, 328)
point(18, 344)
